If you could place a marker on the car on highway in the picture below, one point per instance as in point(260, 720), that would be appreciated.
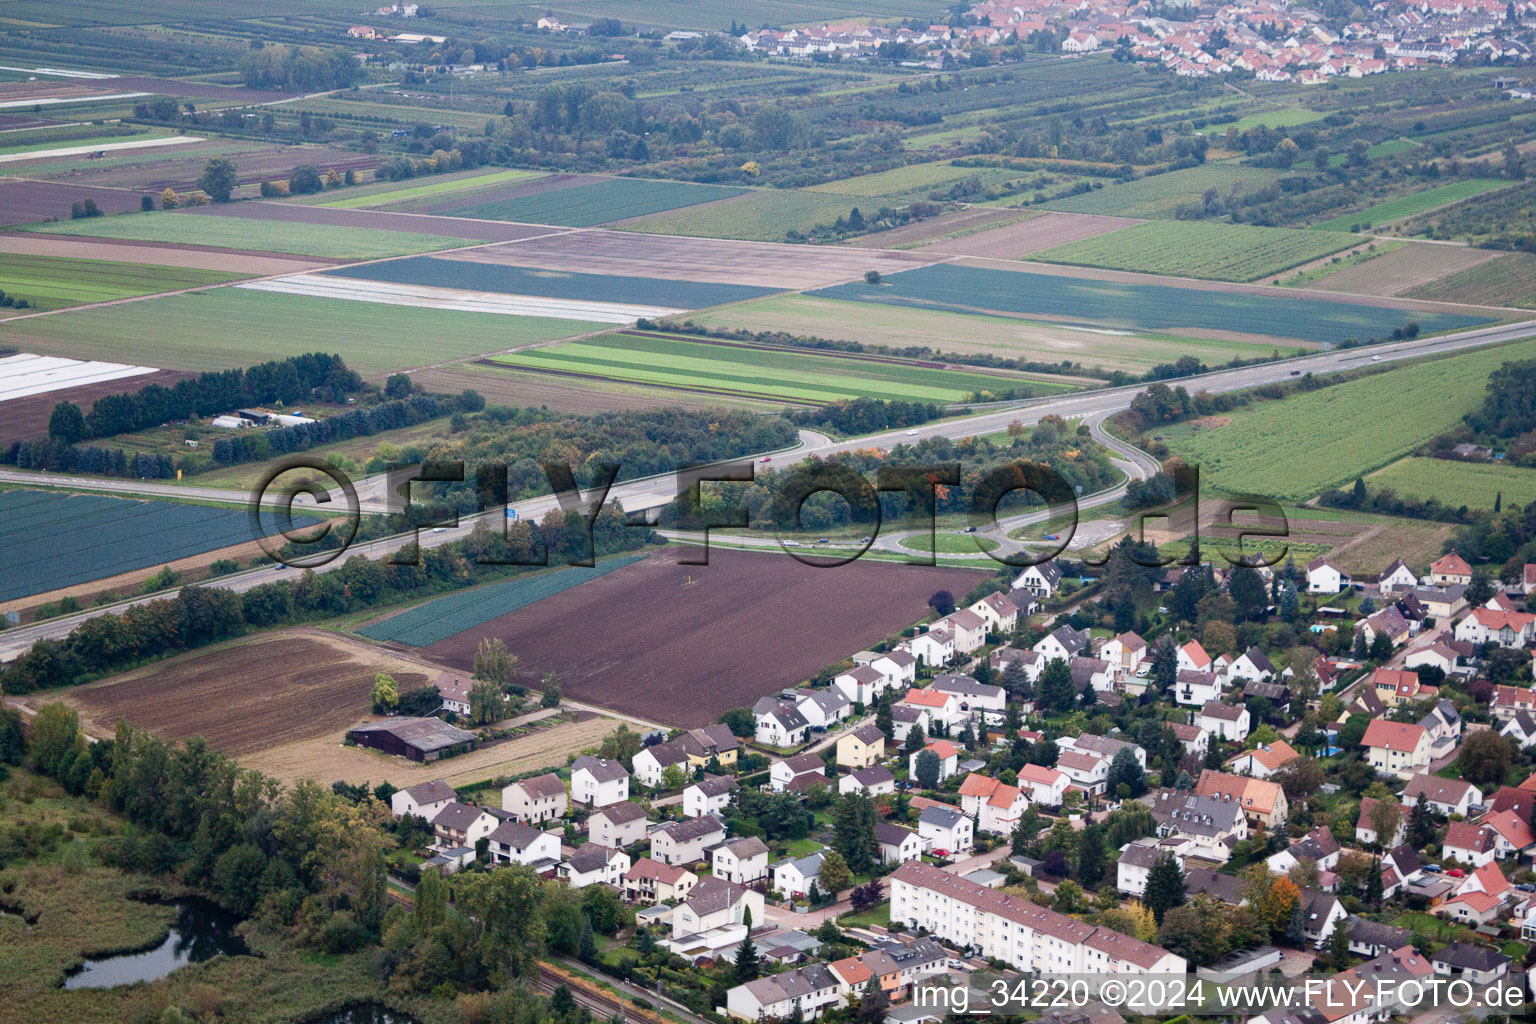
point(791, 543)
point(823, 540)
point(867, 540)
point(439, 529)
point(1295, 373)
point(1375, 359)
point(911, 433)
point(970, 529)
point(766, 458)
point(1052, 536)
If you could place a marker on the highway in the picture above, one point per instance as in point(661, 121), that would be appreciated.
point(654, 492)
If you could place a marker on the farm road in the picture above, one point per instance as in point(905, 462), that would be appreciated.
point(655, 492)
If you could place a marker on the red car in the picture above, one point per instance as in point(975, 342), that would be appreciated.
point(941, 853)
point(1456, 873)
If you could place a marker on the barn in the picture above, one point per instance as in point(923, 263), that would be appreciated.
point(420, 739)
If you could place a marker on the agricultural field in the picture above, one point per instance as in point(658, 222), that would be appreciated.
point(56, 540)
point(1299, 446)
point(968, 333)
point(442, 617)
point(220, 328)
point(1473, 484)
point(765, 215)
point(1408, 268)
point(54, 282)
point(22, 202)
point(1142, 307)
point(1035, 232)
point(1508, 279)
point(1409, 205)
point(755, 371)
point(597, 203)
point(1159, 195)
point(502, 385)
point(252, 234)
point(1191, 248)
point(510, 280)
point(914, 181)
point(26, 417)
point(1286, 117)
point(650, 658)
point(385, 193)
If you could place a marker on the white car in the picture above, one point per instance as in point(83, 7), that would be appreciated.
point(911, 433)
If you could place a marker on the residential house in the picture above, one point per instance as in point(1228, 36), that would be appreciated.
point(942, 708)
point(995, 805)
point(1504, 629)
point(1014, 930)
point(460, 824)
point(711, 743)
point(651, 763)
point(1522, 729)
point(1396, 748)
point(968, 629)
point(875, 780)
point(708, 795)
point(823, 708)
point(1513, 836)
point(1371, 939)
point(1318, 846)
point(1444, 796)
point(981, 702)
point(453, 689)
point(1228, 721)
point(1262, 802)
point(532, 801)
point(596, 782)
point(1264, 760)
point(1091, 674)
point(1085, 770)
point(1488, 879)
point(1470, 843)
point(742, 861)
point(1324, 577)
point(1192, 658)
point(617, 824)
point(1509, 701)
point(783, 772)
point(649, 882)
point(1400, 868)
point(1039, 580)
point(1000, 613)
point(805, 993)
point(1365, 828)
point(1196, 740)
point(1321, 913)
point(934, 648)
point(686, 842)
point(1438, 654)
point(1030, 662)
point(1388, 621)
point(898, 845)
point(715, 903)
point(1252, 667)
point(1196, 688)
point(947, 753)
point(1440, 603)
point(1044, 786)
point(1396, 579)
point(862, 684)
point(898, 667)
point(1210, 824)
point(1477, 965)
point(512, 842)
point(946, 829)
point(1136, 862)
point(1104, 746)
point(424, 800)
point(779, 723)
point(591, 864)
point(1063, 643)
point(794, 876)
point(862, 747)
point(1125, 653)
point(1449, 569)
point(1394, 687)
point(1470, 908)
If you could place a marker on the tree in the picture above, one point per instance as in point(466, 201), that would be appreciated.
point(1247, 589)
point(305, 179)
point(1300, 779)
point(586, 948)
point(1091, 856)
point(1485, 758)
point(873, 1006)
point(1165, 887)
point(673, 777)
point(493, 663)
point(549, 689)
point(872, 277)
point(854, 820)
point(1338, 948)
point(740, 721)
point(1304, 873)
point(833, 874)
point(1296, 927)
point(917, 737)
point(1385, 818)
point(1125, 769)
point(218, 179)
point(487, 703)
point(1421, 828)
point(928, 767)
point(1165, 664)
point(386, 694)
point(747, 967)
point(942, 602)
point(504, 906)
point(1274, 901)
point(66, 423)
point(1056, 690)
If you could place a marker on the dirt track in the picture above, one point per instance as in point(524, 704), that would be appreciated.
point(681, 643)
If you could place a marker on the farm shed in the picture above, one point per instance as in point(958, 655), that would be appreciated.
point(420, 739)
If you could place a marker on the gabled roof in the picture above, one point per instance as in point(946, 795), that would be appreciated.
point(1035, 773)
point(601, 769)
point(542, 787)
point(714, 785)
point(590, 857)
point(942, 817)
point(517, 835)
point(1451, 565)
point(431, 792)
point(620, 813)
point(874, 775)
point(1396, 736)
point(1196, 653)
point(665, 754)
point(746, 846)
point(689, 829)
point(1256, 795)
point(1132, 641)
point(1257, 659)
point(1491, 878)
point(1469, 957)
point(1466, 835)
point(1514, 830)
point(1225, 712)
point(1437, 790)
point(709, 740)
point(458, 816)
point(869, 733)
point(890, 834)
point(645, 867)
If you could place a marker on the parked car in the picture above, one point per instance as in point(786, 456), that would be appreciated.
point(1456, 873)
point(970, 529)
point(1433, 869)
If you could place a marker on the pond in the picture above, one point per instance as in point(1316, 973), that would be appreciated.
point(367, 1013)
point(202, 930)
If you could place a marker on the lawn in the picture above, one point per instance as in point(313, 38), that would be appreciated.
point(765, 215)
point(898, 326)
point(1192, 248)
point(385, 193)
point(1410, 205)
point(1158, 195)
point(598, 203)
point(233, 327)
point(949, 544)
point(498, 277)
point(53, 282)
point(1146, 307)
point(1473, 484)
point(879, 914)
point(1299, 446)
point(324, 240)
point(786, 375)
point(1509, 280)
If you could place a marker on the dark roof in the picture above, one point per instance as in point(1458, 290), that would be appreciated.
point(666, 754)
point(874, 775)
point(516, 834)
point(890, 834)
point(602, 770)
point(1227, 888)
point(437, 789)
point(708, 740)
point(868, 733)
point(691, 828)
point(1469, 957)
point(1376, 934)
point(715, 785)
point(1258, 660)
point(458, 816)
point(424, 734)
point(590, 857)
point(541, 786)
point(621, 812)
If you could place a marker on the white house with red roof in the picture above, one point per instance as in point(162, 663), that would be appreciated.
point(1448, 569)
point(1509, 701)
point(1192, 658)
point(1045, 786)
point(995, 805)
point(1513, 834)
point(1397, 748)
point(1471, 843)
point(1488, 626)
point(948, 755)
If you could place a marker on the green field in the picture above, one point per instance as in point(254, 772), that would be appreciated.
point(966, 333)
point(1160, 194)
point(1286, 117)
point(1194, 248)
point(1299, 446)
point(1473, 484)
point(1509, 280)
point(598, 203)
point(385, 193)
point(763, 216)
point(787, 375)
point(1142, 307)
point(53, 282)
point(324, 240)
point(442, 617)
point(233, 327)
point(914, 178)
point(949, 543)
point(1411, 205)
